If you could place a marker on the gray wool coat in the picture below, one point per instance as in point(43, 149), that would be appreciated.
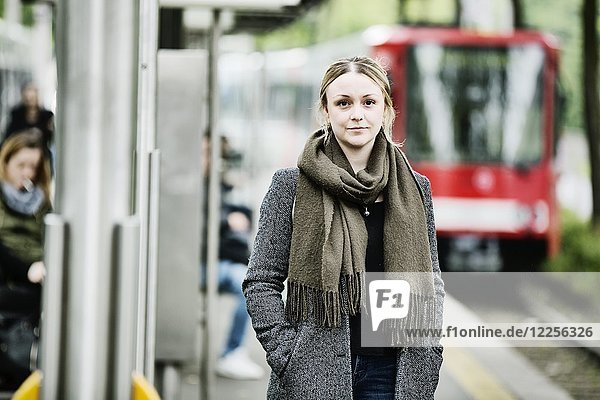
point(311, 362)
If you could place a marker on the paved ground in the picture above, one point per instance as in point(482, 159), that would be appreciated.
point(467, 373)
point(227, 389)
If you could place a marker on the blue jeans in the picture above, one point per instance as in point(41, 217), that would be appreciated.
point(373, 377)
point(231, 276)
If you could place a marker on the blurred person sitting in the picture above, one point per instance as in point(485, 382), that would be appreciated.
point(24, 201)
point(234, 251)
point(30, 114)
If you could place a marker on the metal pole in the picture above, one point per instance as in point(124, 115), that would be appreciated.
point(214, 209)
point(96, 116)
point(53, 304)
point(152, 272)
point(126, 293)
point(147, 187)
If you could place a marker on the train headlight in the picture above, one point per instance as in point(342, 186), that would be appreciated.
point(524, 215)
point(535, 217)
point(541, 216)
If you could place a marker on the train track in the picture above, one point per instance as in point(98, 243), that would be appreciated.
point(576, 369)
point(545, 299)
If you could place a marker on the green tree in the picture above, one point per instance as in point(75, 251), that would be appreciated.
point(427, 12)
point(589, 19)
point(517, 12)
point(542, 15)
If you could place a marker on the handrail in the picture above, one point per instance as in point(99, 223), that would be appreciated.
point(52, 304)
point(152, 270)
point(126, 308)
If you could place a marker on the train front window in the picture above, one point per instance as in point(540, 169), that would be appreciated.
point(474, 104)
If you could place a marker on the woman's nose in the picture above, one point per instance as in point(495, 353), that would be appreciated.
point(357, 113)
point(28, 173)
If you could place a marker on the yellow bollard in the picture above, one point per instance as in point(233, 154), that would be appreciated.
point(30, 389)
point(141, 389)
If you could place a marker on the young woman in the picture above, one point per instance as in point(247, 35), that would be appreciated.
point(353, 205)
point(24, 201)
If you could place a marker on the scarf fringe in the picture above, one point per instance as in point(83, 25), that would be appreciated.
point(324, 306)
point(355, 285)
point(327, 307)
point(421, 316)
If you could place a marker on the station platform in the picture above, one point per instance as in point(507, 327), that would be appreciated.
point(468, 373)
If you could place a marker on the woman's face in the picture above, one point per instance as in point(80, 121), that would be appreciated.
point(355, 108)
point(22, 167)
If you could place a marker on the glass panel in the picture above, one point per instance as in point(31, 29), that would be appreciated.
point(475, 104)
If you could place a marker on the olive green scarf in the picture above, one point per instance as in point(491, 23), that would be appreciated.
point(329, 238)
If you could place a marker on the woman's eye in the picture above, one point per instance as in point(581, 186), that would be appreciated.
point(343, 103)
point(370, 102)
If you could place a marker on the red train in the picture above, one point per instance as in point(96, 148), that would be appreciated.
point(479, 115)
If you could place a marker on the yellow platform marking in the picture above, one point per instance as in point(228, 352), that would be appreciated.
point(473, 377)
point(30, 389)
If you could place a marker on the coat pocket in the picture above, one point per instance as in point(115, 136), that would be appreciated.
point(419, 372)
point(294, 347)
point(315, 371)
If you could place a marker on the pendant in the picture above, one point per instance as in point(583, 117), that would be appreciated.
point(366, 213)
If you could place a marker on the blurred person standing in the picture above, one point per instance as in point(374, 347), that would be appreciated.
point(24, 201)
point(30, 114)
point(354, 205)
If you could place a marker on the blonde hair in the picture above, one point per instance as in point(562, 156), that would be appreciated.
point(370, 68)
point(30, 139)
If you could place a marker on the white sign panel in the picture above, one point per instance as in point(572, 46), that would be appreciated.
point(236, 4)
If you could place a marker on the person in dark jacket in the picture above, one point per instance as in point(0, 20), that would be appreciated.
point(30, 114)
point(353, 206)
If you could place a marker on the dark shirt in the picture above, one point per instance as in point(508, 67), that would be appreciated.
point(17, 293)
point(234, 245)
point(373, 263)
